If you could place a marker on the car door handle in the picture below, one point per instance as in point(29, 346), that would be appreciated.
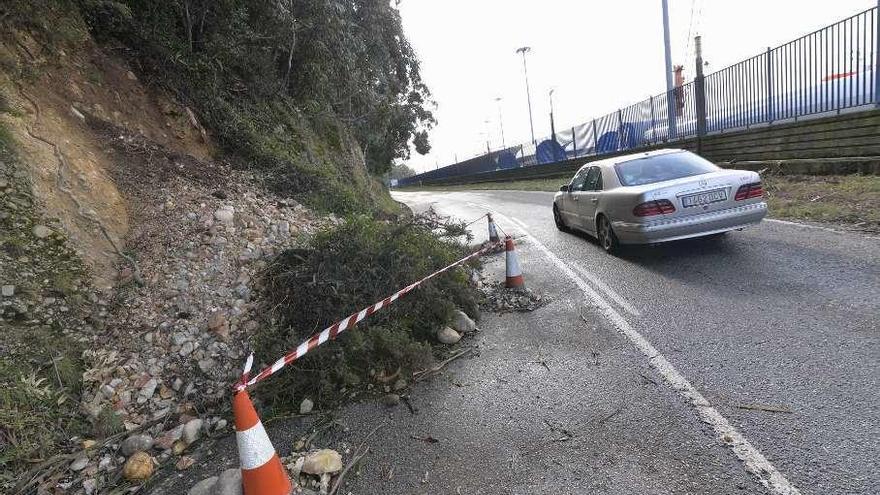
point(594, 200)
point(575, 198)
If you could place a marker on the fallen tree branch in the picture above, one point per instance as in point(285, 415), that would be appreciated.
point(421, 375)
point(759, 407)
point(360, 452)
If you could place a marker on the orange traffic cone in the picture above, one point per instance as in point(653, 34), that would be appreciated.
point(261, 469)
point(493, 231)
point(514, 272)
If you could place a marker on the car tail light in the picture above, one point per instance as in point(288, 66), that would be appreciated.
point(650, 208)
point(748, 191)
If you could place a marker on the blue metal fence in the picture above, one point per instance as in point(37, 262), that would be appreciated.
point(827, 71)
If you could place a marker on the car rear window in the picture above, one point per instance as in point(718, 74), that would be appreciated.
point(659, 168)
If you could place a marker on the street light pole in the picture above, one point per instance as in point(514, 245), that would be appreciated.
point(670, 97)
point(501, 123)
point(552, 124)
point(523, 50)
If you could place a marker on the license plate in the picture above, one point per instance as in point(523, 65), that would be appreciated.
point(704, 198)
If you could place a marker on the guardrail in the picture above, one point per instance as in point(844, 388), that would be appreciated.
point(826, 72)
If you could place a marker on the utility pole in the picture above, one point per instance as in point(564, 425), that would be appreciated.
point(670, 97)
point(501, 123)
point(700, 87)
point(877, 55)
point(552, 124)
point(523, 50)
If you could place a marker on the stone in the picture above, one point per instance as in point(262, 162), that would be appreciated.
point(192, 430)
point(136, 443)
point(185, 462)
point(79, 463)
point(322, 461)
point(178, 447)
point(90, 486)
point(399, 385)
point(87, 444)
point(206, 365)
point(138, 467)
point(186, 349)
point(462, 323)
point(7, 290)
point(390, 400)
point(229, 483)
point(306, 406)
point(147, 391)
point(204, 487)
point(219, 325)
point(42, 232)
point(221, 425)
point(447, 335)
point(225, 215)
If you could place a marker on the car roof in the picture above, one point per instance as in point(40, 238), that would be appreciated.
point(609, 162)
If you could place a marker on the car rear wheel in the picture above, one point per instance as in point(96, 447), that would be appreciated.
point(605, 235)
point(557, 217)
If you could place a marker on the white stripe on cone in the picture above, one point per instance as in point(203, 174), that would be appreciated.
point(254, 447)
point(513, 269)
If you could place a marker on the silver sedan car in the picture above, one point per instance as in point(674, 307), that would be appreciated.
point(658, 196)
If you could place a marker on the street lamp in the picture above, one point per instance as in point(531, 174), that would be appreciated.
point(501, 123)
point(552, 124)
point(488, 134)
point(523, 50)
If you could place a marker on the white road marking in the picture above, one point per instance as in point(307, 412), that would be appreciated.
point(754, 461)
point(623, 303)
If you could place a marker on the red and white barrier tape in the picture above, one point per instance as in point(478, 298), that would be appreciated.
point(340, 326)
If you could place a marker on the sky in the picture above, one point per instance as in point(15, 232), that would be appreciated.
point(596, 56)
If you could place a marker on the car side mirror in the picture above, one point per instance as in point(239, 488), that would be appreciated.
point(563, 188)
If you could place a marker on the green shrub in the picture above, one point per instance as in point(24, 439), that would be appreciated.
point(345, 269)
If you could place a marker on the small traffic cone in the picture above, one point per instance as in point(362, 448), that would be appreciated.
point(493, 231)
point(261, 469)
point(514, 272)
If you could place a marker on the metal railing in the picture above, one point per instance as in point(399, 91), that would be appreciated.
point(827, 71)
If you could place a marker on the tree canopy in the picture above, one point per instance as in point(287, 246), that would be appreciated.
point(345, 58)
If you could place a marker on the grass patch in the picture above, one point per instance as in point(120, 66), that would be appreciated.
point(343, 270)
point(849, 200)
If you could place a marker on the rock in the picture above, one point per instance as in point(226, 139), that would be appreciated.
point(138, 467)
point(204, 487)
point(322, 461)
point(79, 463)
point(90, 486)
point(185, 462)
point(192, 430)
point(42, 232)
point(206, 365)
point(7, 290)
point(229, 483)
point(306, 406)
point(225, 214)
point(219, 325)
point(447, 335)
point(178, 447)
point(136, 443)
point(390, 400)
point(186, 349)
point(462, 323)
point(176, 384)
point(399, 385)
point(87, 444)
point(147, 391)
point(221, 425)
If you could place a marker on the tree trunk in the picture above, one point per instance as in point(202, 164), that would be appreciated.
point(188, 20)
point(286, 83)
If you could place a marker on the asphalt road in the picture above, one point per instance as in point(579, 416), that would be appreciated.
point(747, 364)
point(780, 316)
